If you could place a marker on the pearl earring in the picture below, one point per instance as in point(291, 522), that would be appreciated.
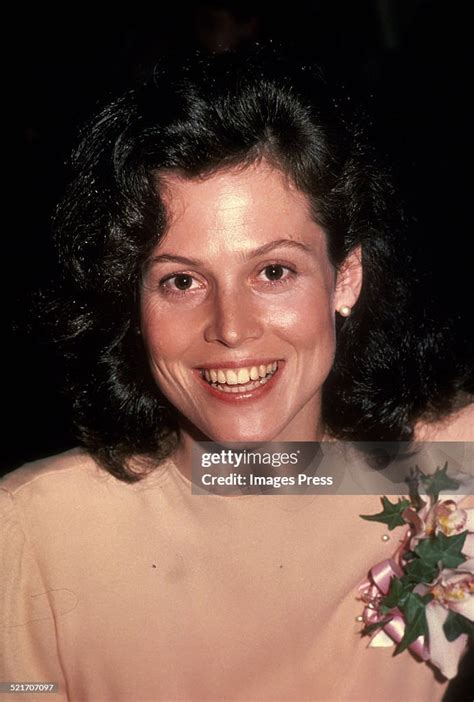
point(345, 310)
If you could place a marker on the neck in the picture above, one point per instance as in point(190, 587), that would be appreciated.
point(190, 438)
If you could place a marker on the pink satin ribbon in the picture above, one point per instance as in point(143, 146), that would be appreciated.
point(373, 590)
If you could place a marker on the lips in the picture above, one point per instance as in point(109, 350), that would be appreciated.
point(239, 382)
point(239, 376)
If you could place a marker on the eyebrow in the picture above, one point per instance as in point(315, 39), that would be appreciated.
point(260, 251)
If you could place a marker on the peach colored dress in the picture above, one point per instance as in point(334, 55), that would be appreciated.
point(148, 593)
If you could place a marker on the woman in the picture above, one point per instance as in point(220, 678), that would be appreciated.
point(235, 274)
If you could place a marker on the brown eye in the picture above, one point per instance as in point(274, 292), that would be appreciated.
point(274, 272)
point(180, 285)
point(183, 281)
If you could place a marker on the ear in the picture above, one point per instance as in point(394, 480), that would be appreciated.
point(349, 280)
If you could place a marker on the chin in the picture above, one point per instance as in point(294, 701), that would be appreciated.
point(242, 435)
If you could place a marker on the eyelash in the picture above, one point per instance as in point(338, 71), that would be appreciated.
point(174, 293)
point(269, 283)
point(283, 281)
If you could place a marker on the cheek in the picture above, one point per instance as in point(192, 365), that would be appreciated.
point(309, 326)
point(164, 335)
point(317, 344)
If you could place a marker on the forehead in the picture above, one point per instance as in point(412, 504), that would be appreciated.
point(235, 209)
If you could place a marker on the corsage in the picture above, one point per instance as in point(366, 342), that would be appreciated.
point(423, 598)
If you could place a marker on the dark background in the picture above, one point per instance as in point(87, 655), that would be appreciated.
point(406, 61)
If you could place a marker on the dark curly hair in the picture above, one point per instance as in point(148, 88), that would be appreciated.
point(195, 116)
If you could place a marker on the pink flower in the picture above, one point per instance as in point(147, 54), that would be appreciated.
point(452, 591)
point(448, 518)
point(444, 516)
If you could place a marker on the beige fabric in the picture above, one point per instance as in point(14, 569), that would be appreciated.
point(146, 592)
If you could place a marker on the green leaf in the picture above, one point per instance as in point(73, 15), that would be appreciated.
point(413, 481)
point(396, 596)
point(438, 481)
point(370, 628)
point(391, 514)
point(442, 551)
point(416, 624)
point(427, 598)
point(456, 624)
point(413, 604)
point(419, 571)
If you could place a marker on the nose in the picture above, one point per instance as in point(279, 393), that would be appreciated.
point(233, 319)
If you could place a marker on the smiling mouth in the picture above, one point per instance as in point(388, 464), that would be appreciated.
point(241, 380)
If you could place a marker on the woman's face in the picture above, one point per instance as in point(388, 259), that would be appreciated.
point(238, 304)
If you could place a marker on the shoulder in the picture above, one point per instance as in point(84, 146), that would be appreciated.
point(48, 474)
point(58, 500)
point(456, 426)
point(69, 483)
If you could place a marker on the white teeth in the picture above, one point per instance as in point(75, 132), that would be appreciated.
point(236, 389)
point(240, 377)
point(231, 377)
point(243, 376)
